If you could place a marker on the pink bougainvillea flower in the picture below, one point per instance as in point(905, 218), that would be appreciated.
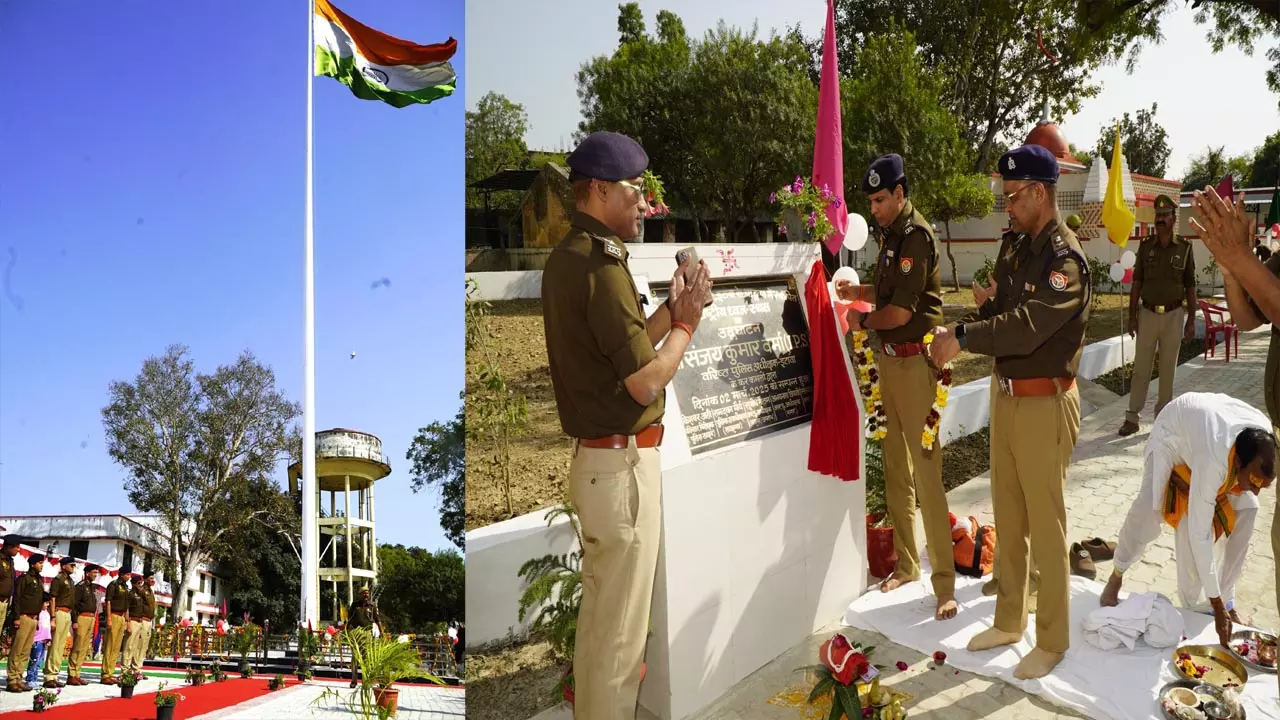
point(902, 666)
point(868, 712)
point(782, 229)
point(773, 197)
point(940, 658)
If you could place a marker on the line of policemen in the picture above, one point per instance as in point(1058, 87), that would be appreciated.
point(73, 608)
point(609, 364)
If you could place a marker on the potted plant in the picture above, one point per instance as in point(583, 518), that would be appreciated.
point(128, 679)
point(217, 673)
point(804, 211)
point(166, 703)
point(308, 644)
point(383, 661)
point(276, 683)
point(195, 676)
point(245, 641)
point(44, 699)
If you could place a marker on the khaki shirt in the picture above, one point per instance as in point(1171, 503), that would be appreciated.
point(86, 599)
point(118, 595)
point(596, 336)
point(1271, 384)
point(29, 594)
point(6, 577)
point(1035, 324)
point(362, 614)
point(142, 603)
point(62, 591)
point(1165, 272)
point(907, 275)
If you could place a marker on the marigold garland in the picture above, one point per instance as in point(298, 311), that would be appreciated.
point(869, 384)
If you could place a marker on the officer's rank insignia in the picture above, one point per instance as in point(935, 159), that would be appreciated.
point(1029, 287)
point(908, 228)
point(1058, 281)
point(611, 248)
point(905, 266)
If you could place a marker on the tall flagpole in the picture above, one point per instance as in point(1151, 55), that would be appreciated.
point(310, 606)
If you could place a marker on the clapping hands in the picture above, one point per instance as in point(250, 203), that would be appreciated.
point(982, 294)
point(1224, 227)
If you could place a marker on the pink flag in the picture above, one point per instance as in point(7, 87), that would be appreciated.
point(828, 145)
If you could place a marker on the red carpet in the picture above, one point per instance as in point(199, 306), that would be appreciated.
point(142, 706)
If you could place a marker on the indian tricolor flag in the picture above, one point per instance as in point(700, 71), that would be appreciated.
point(377, 66)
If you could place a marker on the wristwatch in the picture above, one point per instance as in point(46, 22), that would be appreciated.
point(960, 337)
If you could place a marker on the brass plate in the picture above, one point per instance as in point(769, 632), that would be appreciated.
point(1190, 685)
point(1239, 635)
point(1223, 665)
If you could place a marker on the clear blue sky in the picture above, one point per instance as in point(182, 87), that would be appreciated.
point(151, 192)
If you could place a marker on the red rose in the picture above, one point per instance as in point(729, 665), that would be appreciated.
point(940, 658)
point(902, 666)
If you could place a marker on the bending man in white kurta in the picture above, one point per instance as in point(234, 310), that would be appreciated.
point(1206, 460)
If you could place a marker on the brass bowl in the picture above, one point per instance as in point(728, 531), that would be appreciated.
point(1189, 685)
point(1223, 664)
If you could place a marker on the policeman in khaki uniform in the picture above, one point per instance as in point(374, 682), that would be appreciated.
point(84, 612)
point(7, 573)
point(1034, 327)
point(62, 595)
point(610, 385)
point(908, 298)
point(117, 605)
point(142, 608)
point(1162, 309)
point(28, 597)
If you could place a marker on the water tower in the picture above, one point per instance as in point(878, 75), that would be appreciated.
point(348, 463)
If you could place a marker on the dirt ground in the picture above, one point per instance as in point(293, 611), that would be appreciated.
point(511, 681)
point(540, 455)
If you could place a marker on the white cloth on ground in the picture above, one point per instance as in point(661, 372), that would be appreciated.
point(1149, 616)
point(1196, 430)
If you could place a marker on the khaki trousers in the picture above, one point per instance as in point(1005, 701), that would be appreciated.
point(1275, 544)
point(113, 634)
point(911, 473)
point(58, 648)
point(618, 497)
point(1157, 333)
point(139, 642)
point(82, 646)
point(20, 652)
point(1032, 439)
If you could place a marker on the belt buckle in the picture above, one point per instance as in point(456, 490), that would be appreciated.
point(1160, 309)
point(888, 350)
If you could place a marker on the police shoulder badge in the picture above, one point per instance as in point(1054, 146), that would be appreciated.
point(1057, 281)
point(905, 266)
point(611, 248)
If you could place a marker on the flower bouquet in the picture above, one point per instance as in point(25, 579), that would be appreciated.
point(44, 699)
point(804, 211)
point(653, 194)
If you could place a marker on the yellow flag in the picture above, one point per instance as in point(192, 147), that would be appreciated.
point(1116, 218)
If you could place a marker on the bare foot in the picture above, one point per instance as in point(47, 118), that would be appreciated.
point(1111, 593)
point(1037, 664)
point(893, 582)
point(947, 608)
point(992, 638)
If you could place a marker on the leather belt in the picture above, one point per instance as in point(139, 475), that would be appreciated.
point(1035, 387)
point(1161, 309)
point(141, 619)
point(647, 438)
point(88, 614)
point(61, 608)
point(904, 349)
point(118, 613)
point(34, 616)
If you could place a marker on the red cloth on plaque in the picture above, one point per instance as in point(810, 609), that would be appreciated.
point(835, 435)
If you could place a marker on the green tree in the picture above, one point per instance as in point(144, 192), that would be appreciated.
point(1208, 167)
point(495, 133)
point(265, 583)
point(961, 196)
point(997, 75)
point(695, 105)
point(1143, 141)
point(1241, 23)
point(438, 455)
point(1265, 171)
point(192, 446)
point(418, 589)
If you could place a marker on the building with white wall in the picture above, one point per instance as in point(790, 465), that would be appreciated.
point(131, 543)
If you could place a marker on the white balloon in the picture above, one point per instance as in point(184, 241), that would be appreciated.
point(844, 273)
point(856, 235)
point(1117, 272)
point(1128, 259)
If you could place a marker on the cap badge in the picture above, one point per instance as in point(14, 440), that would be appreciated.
point(873, 179)
point(1011, 165)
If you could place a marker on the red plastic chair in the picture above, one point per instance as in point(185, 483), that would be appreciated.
point(1216, 321)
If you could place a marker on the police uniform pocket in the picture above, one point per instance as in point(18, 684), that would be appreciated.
point(607, 502)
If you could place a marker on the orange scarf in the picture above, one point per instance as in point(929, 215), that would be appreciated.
point(1179, 490)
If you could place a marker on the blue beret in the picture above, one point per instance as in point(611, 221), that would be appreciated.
point(607, 156)
point(1029, 162)
point(68, 560)
point(35, 558)
point(884, 173)
point(13, 539)
point(90, 567)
